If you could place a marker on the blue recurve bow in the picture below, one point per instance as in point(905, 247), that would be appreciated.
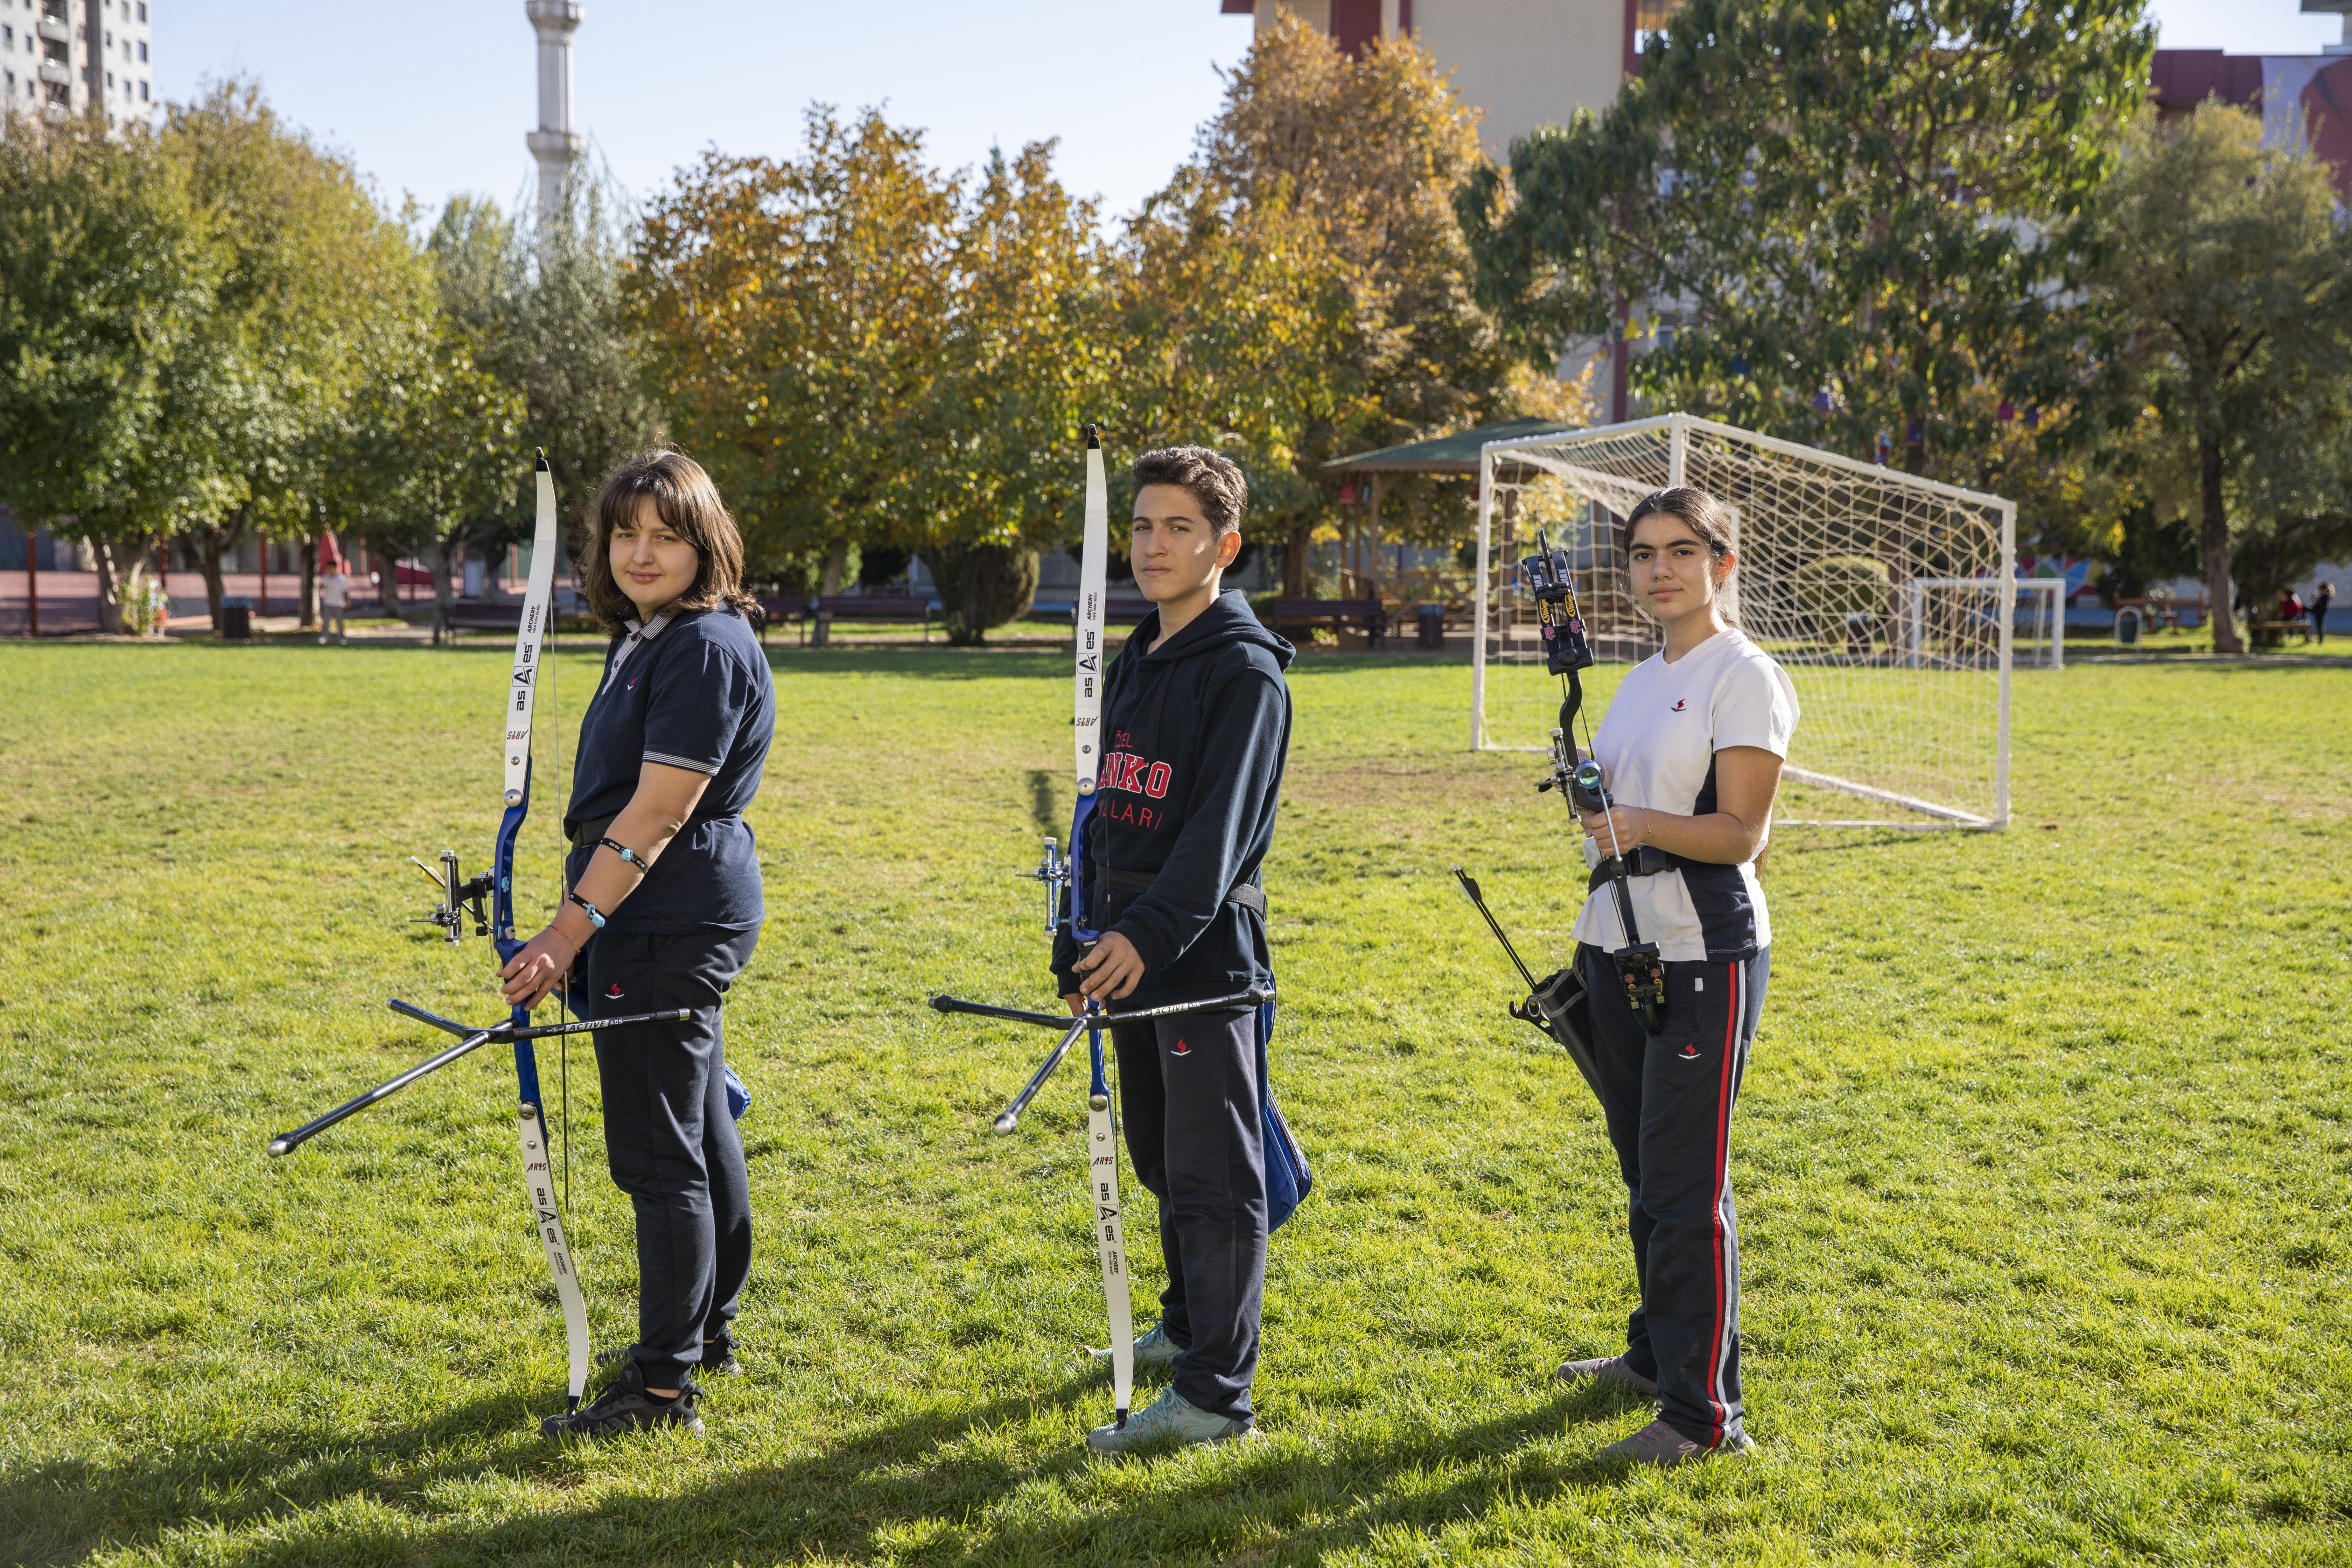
point(463, 900)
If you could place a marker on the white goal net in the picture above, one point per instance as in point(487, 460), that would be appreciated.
point(1891, 601)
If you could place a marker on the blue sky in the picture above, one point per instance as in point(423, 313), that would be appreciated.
point(433, 96)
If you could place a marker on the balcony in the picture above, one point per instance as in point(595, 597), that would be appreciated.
point(54, 29)
point(57, 72)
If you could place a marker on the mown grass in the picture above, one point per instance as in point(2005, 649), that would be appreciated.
point(2041, 1160)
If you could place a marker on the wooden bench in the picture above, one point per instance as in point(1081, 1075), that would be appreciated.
point(1335, 613)
point(485, 618)
point(2273, 634)
point(845, 607)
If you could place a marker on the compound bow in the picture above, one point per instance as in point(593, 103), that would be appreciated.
point(461, 901)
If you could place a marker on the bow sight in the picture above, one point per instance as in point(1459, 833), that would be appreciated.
point(459, 898)
point(1547, 574)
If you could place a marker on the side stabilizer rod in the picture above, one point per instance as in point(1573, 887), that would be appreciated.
point(470, 1040)
point(1073, 1027)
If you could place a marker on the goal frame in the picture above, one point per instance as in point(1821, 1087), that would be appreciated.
point(1679, 428)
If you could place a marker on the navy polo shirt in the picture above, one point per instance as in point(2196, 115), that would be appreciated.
point(692, 692)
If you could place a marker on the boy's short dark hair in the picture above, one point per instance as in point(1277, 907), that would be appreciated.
point(1210, 478)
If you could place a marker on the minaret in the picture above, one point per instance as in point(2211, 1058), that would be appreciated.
point(554, 143)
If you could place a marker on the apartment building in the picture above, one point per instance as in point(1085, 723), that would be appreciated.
point(59, 58)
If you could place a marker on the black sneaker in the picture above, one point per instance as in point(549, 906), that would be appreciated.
point(717, 1358)
point(625, 1407)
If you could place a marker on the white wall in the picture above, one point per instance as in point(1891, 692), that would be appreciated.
point(1526, 63)
point(1522, 63)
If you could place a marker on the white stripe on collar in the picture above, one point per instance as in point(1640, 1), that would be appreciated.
point(639, 632)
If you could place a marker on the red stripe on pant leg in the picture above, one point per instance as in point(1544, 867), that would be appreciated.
point(1722, 1175)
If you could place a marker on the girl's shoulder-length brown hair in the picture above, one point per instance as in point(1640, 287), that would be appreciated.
point(688, 504)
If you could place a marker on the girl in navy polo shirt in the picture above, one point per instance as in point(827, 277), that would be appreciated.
point(664, 911)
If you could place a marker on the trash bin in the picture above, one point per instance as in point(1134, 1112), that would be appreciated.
point(237, 618)
point(1429, 627)
point(2128, 627)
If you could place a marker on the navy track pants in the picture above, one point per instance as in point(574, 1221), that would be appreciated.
point(1668, 1099)
point(1188, 1094)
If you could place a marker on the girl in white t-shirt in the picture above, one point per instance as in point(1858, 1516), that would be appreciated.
point(1691, 750)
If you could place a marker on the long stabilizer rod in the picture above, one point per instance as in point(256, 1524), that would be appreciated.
point(1252, 998)
point(471, 1040)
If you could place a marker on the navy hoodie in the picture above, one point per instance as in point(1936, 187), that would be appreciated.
point(1196, 735)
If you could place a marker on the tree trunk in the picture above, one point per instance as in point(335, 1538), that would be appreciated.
point(2216, 542)
point(837, 562)
point(211, 542)
point(1298, 561)
point(109, 610)
point(444, 556)
point(308, 610)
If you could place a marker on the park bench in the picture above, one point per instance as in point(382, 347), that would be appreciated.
point(1335, 613)
point(485, 618)
point(846, 607)
point(2273, 634)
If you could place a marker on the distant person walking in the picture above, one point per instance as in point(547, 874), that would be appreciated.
point(334, 598)
point(2319, 601)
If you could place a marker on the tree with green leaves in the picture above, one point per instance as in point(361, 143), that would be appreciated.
point(794, 310)
point(109, 266)
point(1341, 171)
point(1238, 323)
point(2218, 284)
point(1028, 354)
point(1851, 210)
point(542, 306)
point(427, 457)
point(308, 263)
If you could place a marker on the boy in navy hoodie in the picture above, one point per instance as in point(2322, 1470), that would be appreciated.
point(1196, 722)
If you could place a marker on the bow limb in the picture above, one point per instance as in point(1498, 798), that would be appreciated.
point(530, 638)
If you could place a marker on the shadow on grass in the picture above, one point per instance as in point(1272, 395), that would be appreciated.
point(893, 1489)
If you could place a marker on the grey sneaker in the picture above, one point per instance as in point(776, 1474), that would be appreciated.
point(1660, 1445)
point(1607, 1369)
point(1172, 1421)
point(624, 1407)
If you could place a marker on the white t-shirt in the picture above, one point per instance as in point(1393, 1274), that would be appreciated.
point(334, 591)
point(1656, 748)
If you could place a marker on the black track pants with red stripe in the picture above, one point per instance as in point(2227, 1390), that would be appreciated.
point(1668, 1099)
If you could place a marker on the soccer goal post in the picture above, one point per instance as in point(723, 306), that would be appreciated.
point(1891, 601)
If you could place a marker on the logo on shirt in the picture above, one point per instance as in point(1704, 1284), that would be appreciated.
point(1182, 1049)
point(633, 685)
point(614, 994)
point(1675, 708)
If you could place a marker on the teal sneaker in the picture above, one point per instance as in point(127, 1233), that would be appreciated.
point(1170, 1421)
point(1155, 1348)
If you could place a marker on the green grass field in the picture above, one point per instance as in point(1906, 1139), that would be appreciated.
point(2041, 1158)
